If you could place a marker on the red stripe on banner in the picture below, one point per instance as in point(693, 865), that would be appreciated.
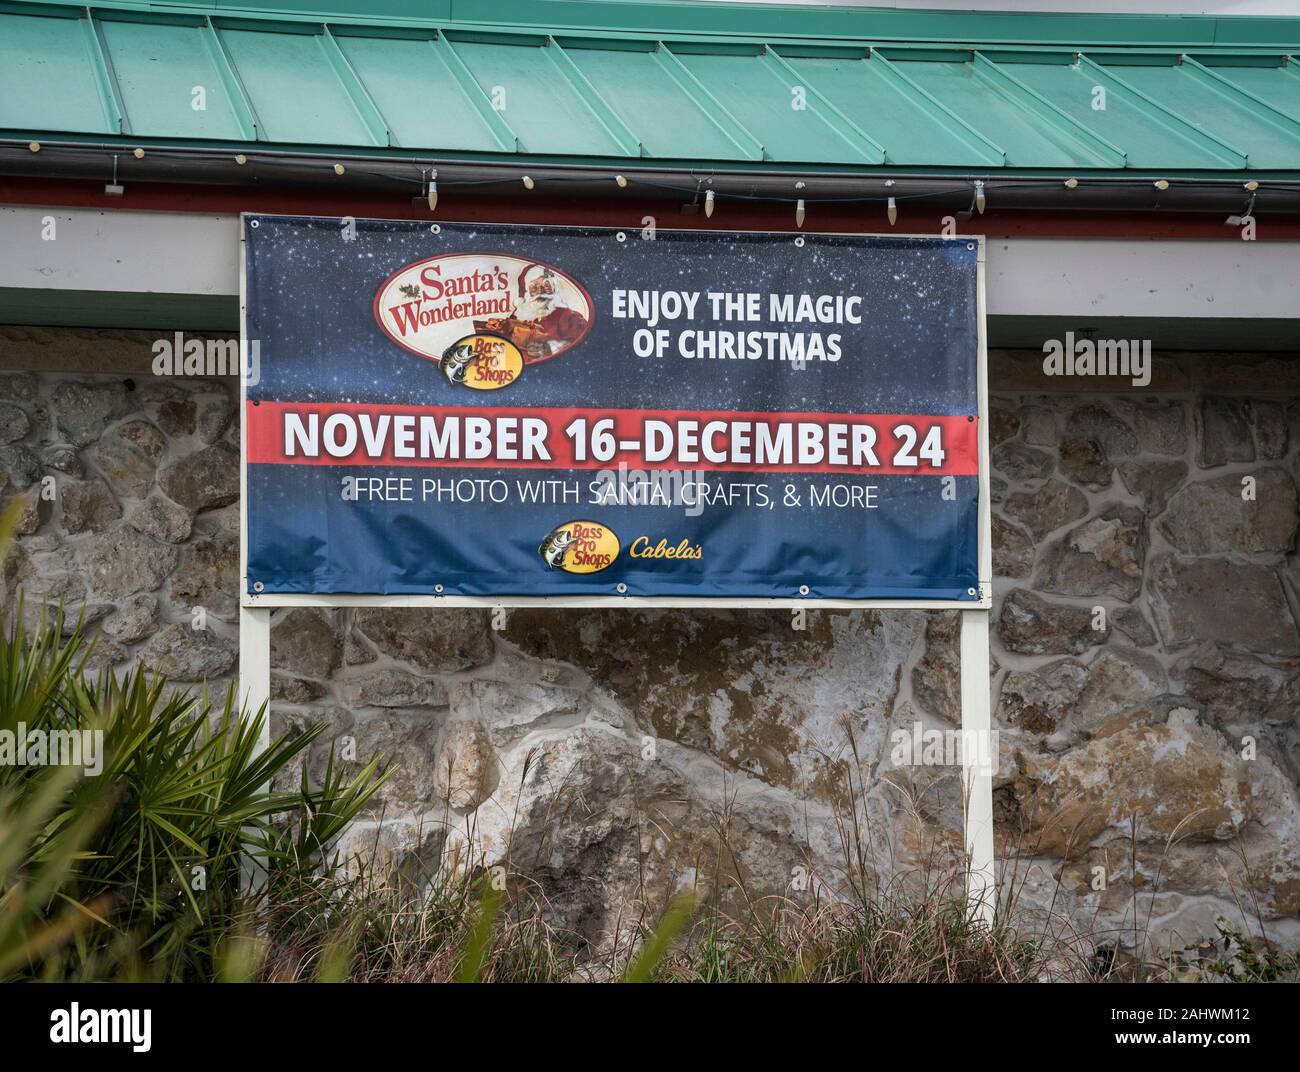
point(469, 437)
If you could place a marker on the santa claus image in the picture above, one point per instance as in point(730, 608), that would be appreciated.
point(541, 323)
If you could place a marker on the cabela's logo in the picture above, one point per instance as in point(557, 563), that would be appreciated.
point(641, 547)
point(483, 362)
point(432, 306)
point(579, 547)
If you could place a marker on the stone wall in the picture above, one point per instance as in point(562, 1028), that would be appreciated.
point(1166, 741)
point(1145, 641)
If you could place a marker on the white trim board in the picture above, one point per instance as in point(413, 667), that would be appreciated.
point(198, 253)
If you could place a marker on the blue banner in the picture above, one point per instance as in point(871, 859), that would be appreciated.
point(503, 411)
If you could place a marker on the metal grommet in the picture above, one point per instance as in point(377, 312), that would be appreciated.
point(438, 588)
point(620, 237)
point(621, 588)
point(798, 240)
point(970, 245)
point(803, 589)
point(971, 592)
point(435, 229)
point(258, 586)
point(254, 224)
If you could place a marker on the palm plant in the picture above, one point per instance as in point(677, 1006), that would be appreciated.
point(136, 870)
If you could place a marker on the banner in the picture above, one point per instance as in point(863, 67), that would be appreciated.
point(497, 411)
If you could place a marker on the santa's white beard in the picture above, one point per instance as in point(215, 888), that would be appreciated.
point(536, 308)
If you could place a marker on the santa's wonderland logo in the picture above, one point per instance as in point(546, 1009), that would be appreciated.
point(482, 317)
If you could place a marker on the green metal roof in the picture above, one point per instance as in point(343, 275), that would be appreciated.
point(711, 85)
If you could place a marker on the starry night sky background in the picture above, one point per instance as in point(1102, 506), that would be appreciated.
point(309, 299)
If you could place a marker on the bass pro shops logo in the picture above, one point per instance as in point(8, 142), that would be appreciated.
point(579, 547)
point(482, 362)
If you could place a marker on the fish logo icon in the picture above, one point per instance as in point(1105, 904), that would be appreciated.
point(456, 360)
point(579, 547)
point(554, 547)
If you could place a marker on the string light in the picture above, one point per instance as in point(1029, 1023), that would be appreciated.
point(979, 202)
point(892, 212)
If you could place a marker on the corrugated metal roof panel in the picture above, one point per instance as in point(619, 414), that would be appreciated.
point(295, 90)
point(905, 123)
point(664, 117)
point(1277, 84)
point(975, 94)
point(47, 79)
point(159, 68)
point(530, 91)
point(1150, 139)
point(707, 99)
point(417, 94)
point(775, 110)
point(1270, 140)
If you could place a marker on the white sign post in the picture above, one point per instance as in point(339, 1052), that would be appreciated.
point(976, 703)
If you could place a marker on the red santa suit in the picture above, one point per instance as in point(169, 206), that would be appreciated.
point(552, 324)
